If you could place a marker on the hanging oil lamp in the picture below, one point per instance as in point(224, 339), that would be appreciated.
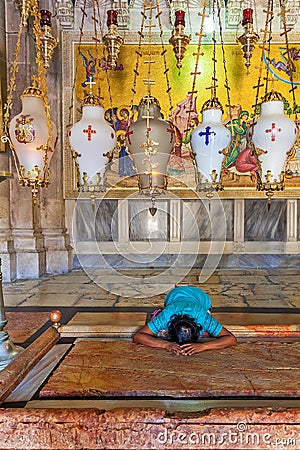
point(48, 41)
point(33, 140)
point(91, 138)
point(179, 40)
point(275, 134)
point(207, 142)
point(249, 38)
point(150, 141)
point(112, 40)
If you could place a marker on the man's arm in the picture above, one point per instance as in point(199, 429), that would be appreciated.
point(146, 337)
point(223, 340)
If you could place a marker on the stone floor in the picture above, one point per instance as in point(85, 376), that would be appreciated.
point(262, 289)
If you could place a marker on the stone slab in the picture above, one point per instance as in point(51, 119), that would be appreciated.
point(33, 380)
point(120, 324)
point(125, 324)
point(22, 325)
point(226, 428)
point(120, 368)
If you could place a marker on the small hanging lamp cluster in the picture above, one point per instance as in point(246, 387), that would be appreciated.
point(150, 139)
point(31, 134)
point(273, 133)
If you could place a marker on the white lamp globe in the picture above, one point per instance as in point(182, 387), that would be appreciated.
point(209, 139)
point(150, 141)
point(29, 132)
point(91, 137)
point(275, 133)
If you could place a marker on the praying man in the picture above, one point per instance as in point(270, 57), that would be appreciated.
point(183, 321)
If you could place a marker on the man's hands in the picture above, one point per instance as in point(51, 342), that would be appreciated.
point(191, 349)
point(146, 337)
point(172, 347)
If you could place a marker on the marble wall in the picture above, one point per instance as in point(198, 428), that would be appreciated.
point(207, 220)
point(234, 232)
point(263, 224)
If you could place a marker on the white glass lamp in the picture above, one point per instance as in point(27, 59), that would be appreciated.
point(31, 138)
point(275, 134)
point(92, 137)
point(208, 140)
point(150, 141)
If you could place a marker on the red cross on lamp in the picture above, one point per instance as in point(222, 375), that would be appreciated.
point(274, 134)
point(89, 132)
point(91, 138)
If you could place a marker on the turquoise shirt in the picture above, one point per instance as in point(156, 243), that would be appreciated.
point(187, 300)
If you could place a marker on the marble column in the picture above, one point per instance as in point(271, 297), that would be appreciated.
point(175, 220)
point(239, 222)
point(39, 235)
point(292, 246)
point(7, 253)
point(58, 251)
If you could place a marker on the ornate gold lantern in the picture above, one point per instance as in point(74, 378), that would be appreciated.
point(31, 134)
point(112, 40)
point(179, 40)
point(249, 38)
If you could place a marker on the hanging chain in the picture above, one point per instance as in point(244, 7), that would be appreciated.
point(266, 32)
point(84, 15)
point(138, 54)
point(290, 64)
point(104, 55)
point(213, 87)
point(97, 42)
point(148, 81)
point(163, 54)
point(41, 70)
point(197, 54)
point(11, 87)
point(226, 85)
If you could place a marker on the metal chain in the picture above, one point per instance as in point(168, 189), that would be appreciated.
point(138, 55)
point(104, 55)
point(84, 15)
point(11, 86)
point(289, 59)
point(226, 85)
point(196, 71)
point(163, 54)
point(266, 32)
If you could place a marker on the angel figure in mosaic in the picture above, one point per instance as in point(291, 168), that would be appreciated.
point(90, 68)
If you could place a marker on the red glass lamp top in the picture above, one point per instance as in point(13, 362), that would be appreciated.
point(179, 18)
point(112, 17)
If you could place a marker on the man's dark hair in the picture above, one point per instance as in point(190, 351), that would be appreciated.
point(183, 329)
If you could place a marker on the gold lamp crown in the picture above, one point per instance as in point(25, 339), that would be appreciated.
point(92, 100)
point(212, 103)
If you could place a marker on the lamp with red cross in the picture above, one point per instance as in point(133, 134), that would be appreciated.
point(91, 138)
point(274, 134)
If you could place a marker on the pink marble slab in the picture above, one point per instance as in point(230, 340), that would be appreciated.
point(107, 369)
point(141, 428)
point(21, 325)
